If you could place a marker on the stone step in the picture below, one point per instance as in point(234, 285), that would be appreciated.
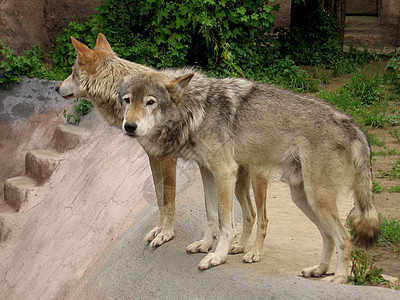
point(67, 137)
point(40, 164)
point(16, 190)
point(363, 30)
point(361, 22)
point(6, 220)
point(369, 40)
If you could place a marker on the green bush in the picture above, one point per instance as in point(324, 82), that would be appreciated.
point(312, 39)
point(364, 98)
point(393, 70)
point(390, 233)
point(364, 88)
point(81, 107)
point(173, 33)
point(15, 66)
point(363, 270)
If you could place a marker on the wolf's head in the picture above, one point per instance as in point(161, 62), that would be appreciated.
point(146, 98)
point(87, 65)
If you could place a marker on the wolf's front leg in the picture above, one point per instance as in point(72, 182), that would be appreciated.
point(225, 177)
point(210, 195)
point(164, 176)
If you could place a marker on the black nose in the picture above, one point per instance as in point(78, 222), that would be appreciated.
point(57, 88)
point(130, 127)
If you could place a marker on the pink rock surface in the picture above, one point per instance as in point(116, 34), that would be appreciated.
point(69, 222)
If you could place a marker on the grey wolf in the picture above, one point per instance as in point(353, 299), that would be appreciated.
point(321, 152)
point(96, 75)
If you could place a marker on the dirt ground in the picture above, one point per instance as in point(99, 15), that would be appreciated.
point(388, 204)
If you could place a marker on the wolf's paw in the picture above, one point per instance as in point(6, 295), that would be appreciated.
point(152, 234)
point(162, 237)
point(336, 279)
point(316, 271)
point(251, 256)
point(202, 246)
point(212, 260)
point(237, 248)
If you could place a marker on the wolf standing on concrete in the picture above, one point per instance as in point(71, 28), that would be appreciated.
point(96, 75)
point(322, 153)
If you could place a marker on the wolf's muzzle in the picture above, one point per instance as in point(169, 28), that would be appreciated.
point(130, 127)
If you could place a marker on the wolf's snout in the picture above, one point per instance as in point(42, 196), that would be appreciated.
point(130, 127)
point(57, 89)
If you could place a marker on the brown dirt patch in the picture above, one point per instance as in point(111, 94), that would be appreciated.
point(387, 204)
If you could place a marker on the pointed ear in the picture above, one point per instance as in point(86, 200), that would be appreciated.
point(102, 43)
point(177, 86)
point(85, 55)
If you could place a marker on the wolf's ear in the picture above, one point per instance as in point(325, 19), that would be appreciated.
point(85, 55)
point(102, 43)
point(177, 86)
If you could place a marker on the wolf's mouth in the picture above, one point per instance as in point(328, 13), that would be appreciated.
point(131, 134)
point(69, 96)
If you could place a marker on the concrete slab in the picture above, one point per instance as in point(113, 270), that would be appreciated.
point(132, 270)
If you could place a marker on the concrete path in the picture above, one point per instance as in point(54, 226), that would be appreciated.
point(133, 270)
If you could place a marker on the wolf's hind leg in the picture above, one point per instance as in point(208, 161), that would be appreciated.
point(260, 185)
point(211, 201)
point(164, 176)
point(242, 192)
point(225, 174)
point(300, 199)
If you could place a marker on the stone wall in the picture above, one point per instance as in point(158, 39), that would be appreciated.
point(282, 17)
point(389, 19)
point(29, 113)
point(362, 7)
point(24, 22)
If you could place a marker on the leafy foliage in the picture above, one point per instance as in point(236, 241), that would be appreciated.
point(390, 233)
point(225, 38)
point(173, 33)
point(363, 98)
point(377, 187)
point(393, 173)
point(366, 89)
point(14, 66)
point(81, 107)
point(363, 270)
point(396, 134)
point(393, 70)
point(313, 40)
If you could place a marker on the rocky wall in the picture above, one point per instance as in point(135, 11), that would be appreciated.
point(25, 22)
point(389, 18)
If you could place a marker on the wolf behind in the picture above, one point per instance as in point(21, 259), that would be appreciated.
point(322, 153)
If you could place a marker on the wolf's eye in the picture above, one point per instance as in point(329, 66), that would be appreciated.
point(126, 100)
point(150, 102)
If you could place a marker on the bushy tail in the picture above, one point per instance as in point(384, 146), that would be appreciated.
point(365, 217)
